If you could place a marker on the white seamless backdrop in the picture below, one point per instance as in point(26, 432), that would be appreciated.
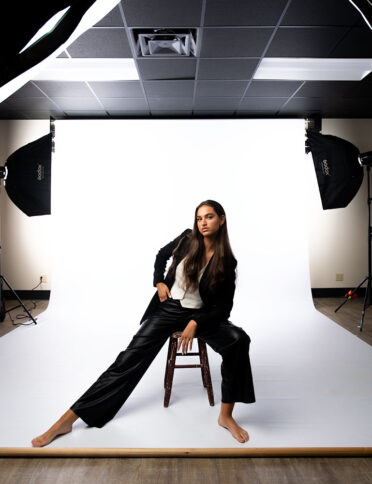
point(121, 190)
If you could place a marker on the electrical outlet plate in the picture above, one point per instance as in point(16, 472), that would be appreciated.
point(339, 277)
point(43, 278)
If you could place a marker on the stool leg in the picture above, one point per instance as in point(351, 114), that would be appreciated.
point(206, 372)
point(201, 363)
point(170, 372)
point(167, 362)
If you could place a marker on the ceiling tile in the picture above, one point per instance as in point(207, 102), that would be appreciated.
point(117, 103)
point(362, 88)
point(174, 113)
point(101, 42)
point(117, 88)
point(216, 114)
point(272, 88)
point(127, 113)
point(304, 105)
point(262, 103)
point(327, 89)
point(238, 42)
point(167, 68)
point(28, 90)
point(162, 13)
point(306, 42)
point(226, 68)
point(169, 88)
point(321, 12)
point(112, 19)
point(217, 103)
point(81, 113)
point(77, 103)
point(64, 89)
point(357, 43)
point(241, 12)
point(31, 103)
point(170, 103)
point(221, 88)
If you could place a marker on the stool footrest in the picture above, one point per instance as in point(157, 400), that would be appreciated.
point(188, 354)
point(188, 366)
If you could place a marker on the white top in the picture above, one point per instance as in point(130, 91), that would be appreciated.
point(188, 299)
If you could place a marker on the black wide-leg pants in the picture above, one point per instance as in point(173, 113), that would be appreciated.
point(104, 398)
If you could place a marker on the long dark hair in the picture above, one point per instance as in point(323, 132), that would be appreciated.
point(195, 250)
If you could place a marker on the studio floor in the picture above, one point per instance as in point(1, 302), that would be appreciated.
point(221, 470)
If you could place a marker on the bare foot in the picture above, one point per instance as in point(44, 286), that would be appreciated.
point(62, 426)
point(237, 432)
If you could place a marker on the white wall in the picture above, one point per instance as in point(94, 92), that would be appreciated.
point(337, 238)
point(25, 240)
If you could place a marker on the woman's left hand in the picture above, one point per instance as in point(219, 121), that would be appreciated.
point(187, 336)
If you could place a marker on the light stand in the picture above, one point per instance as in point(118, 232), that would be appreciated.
point(366, 160)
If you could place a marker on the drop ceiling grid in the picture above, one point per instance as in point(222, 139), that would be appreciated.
point(234, 36)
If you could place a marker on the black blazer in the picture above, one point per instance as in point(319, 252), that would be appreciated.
point(217, 305)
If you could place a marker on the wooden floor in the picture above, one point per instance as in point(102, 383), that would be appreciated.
point(263, 470)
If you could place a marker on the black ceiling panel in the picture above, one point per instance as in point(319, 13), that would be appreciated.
point(262, 103)
point(169, 88)
point(152, 69)
point(72, 103)
point(321, 12)
point(31, 103)
point(272, 88)
point(162, 13)
point(338, 89)
point(220, 88)
point(305, 42)
point(241, 12)
point(101, 42)
point(120, 113)
point(356, 43)
point(112, 19)
point(28, 90)
point(116, 103)
point(64, 89)
point(173, 103)
point(117, 88)
point(226, 69)
point(238, 42)
point(362, 88)
point(217, 103)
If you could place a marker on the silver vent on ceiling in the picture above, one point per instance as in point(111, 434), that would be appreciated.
point(167, 43)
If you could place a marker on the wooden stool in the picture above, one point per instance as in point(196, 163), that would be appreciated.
point(170, 366)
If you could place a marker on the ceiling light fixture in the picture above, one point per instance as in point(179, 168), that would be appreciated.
point(166, 42)
point(311, 69)
point(66, 69)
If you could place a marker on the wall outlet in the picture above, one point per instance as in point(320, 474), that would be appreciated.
point(43, 278)
point(339, 277)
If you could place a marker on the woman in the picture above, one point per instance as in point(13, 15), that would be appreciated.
point(196, 297)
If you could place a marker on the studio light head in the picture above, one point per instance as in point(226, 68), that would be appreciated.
point(27, 176)
point(338, 168)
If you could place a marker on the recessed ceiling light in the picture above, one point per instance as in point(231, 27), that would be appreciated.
point(310, 69)
point(67, 69)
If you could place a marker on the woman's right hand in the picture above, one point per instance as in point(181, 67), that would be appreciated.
point(163, 291)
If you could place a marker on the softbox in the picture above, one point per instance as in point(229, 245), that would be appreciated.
point(338, 170)
point(29, 176)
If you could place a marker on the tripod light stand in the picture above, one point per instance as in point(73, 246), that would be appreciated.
point(27, 179)
point(366, 160)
